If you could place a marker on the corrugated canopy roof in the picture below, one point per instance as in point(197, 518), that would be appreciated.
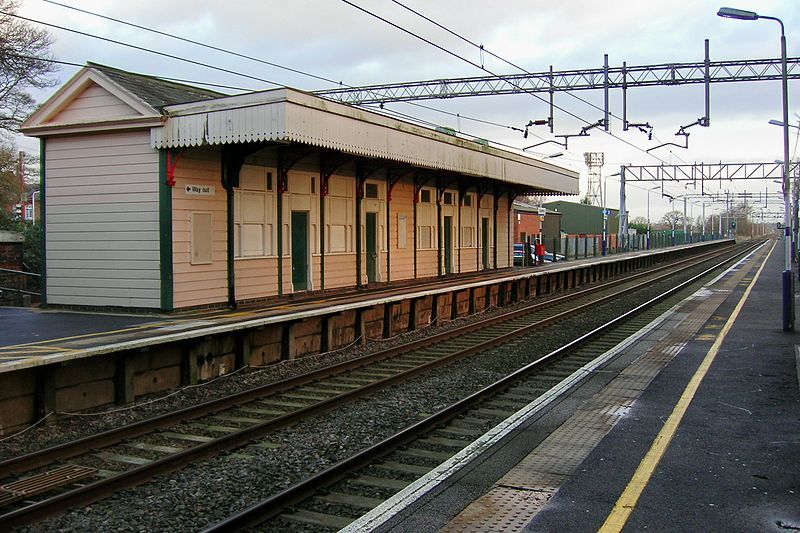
point(288, 115)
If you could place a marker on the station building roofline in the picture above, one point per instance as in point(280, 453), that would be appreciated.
point(182, 116)
point(287, 115)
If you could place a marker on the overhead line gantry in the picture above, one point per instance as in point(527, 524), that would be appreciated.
point(624, 77)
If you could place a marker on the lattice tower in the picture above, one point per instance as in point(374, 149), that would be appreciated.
point(594, 193)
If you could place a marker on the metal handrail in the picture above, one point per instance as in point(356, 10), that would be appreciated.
point(20, 272)
point(9, 289)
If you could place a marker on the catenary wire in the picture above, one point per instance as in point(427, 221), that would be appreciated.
point(481, 67)
point(167, 78)
point(522, 69)
point(198, 43)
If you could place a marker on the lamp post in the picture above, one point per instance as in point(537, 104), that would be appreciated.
point(673, 217)
point(623, 213)
point(33, 206)
point(606, 211)
point(648, 213)
point(795, 198)
point(787, 279)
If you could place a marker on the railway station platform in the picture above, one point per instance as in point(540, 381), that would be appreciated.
point(692, 424)
point(57, 361)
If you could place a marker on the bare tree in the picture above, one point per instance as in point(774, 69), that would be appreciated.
point(25, 63)
point(672, 219)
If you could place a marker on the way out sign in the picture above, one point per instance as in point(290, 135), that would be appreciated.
point(200, 190)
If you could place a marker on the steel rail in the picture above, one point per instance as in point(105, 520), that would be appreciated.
point(276, 504)
point(23, 463)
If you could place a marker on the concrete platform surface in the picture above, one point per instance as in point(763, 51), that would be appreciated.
point(711, 385)
point(734, 461)
point(35, 337)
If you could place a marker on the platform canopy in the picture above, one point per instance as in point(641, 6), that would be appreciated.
point(282, 116)
point(291, 116)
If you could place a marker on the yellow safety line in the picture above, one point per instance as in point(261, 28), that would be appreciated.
point(630, 496)
point(34, 349)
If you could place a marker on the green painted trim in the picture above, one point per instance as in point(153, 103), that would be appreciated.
point(43, 220)
point(165, 233)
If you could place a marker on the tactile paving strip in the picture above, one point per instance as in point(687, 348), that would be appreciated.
point(519, 495)
point(500, 509)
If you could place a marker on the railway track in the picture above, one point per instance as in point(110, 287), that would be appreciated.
point(62, 477)
point(334, 498)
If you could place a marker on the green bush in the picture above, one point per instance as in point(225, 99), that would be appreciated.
point(32, 249)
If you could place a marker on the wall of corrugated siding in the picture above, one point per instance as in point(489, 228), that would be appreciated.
point(102, 220)
point(581, 219)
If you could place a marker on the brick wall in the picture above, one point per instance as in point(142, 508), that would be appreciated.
point(527, 223)
point(11, 259)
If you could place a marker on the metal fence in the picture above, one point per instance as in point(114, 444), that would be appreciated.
point(568, 248)
point(18, 287)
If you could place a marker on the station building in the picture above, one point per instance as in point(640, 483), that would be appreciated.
point(164, 196)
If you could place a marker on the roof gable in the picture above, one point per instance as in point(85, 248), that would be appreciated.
point(93, 103)
point(101, 98)
point(88, 99)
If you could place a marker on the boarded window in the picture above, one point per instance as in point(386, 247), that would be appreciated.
point(467, 236)
point(252, 240)
point(402, 231)
point(338, 226)
point(425, 237)
point(426, 226)
point(201, 238)
point(338, 239)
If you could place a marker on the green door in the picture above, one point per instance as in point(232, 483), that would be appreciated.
point(448, 245)
point(372, 248)
point(485, 243)
point(300, 250)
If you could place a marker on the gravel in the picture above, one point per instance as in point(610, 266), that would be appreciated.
point(208, 492)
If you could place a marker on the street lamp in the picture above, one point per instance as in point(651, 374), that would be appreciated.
point(787, 280)
point(544, 156)
point(779, 123)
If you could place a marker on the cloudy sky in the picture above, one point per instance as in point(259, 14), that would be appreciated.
point(333, 40)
